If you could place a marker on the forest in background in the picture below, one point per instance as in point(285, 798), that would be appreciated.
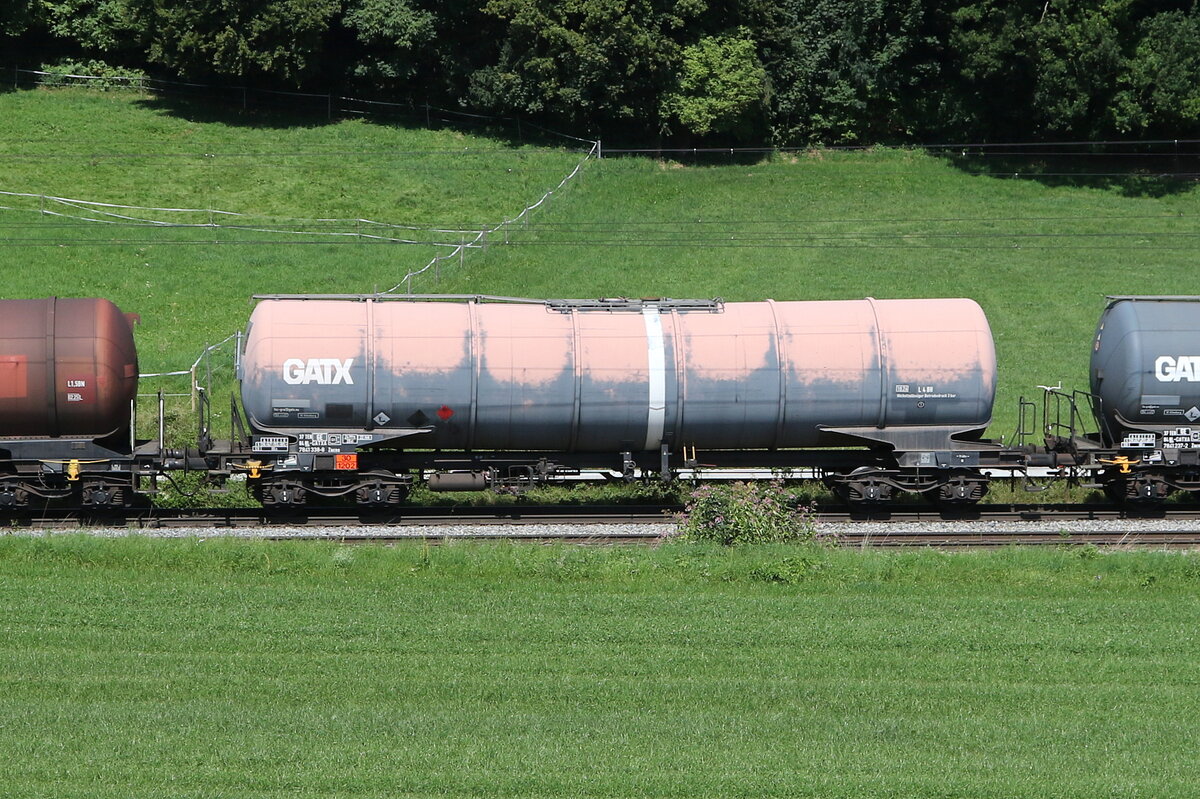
point(678, 72)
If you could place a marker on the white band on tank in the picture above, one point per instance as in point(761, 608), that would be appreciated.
point(657, 357)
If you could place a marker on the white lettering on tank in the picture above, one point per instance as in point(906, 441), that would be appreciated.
point(322, 371)
point(1172, 370)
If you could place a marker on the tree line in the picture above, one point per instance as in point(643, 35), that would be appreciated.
point(694, 72)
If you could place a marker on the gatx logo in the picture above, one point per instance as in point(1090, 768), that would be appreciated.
point(322, 371)
point(1172, 370)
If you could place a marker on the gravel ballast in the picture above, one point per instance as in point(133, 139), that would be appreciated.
point(584, 532)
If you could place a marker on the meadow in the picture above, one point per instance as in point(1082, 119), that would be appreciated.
point(232, 668)
point(1039, 253)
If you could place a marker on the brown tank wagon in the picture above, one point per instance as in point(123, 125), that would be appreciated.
point(68, 381)
point(68, 367)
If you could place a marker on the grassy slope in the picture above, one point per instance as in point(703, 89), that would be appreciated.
point(222, 669)
point(209, 669)
point(1039, 258)
point(131, 150)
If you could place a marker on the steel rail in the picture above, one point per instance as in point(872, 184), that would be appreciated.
point(919, 525)
point(163, 518)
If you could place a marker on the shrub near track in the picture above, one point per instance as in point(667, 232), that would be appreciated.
point(189, 668)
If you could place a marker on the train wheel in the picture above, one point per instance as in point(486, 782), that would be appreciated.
point(381, 495)
point(281, 494)
point(964, 488)
point(863, 486)
point(106, 494)
point(12, 496)
point(1138, 489)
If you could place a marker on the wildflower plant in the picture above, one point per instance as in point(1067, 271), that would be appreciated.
point(745, 513)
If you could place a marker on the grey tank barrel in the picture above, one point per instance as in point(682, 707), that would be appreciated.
point(605, 376)
point(1145, 364)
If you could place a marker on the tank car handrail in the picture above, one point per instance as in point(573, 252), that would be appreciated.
point(1098, 415)
point(622, 304)
point(563, 305)
point(401, 297)
point(1027, 422)
point(1113, 299)
point(1075, 426)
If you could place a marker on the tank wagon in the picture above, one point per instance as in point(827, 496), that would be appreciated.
point(68, 381)
point(361, 395)
point(1144, 401)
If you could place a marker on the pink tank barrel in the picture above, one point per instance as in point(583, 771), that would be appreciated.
point(574, 376)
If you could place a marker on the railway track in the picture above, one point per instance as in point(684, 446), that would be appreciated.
point(165, 518)
point(568, 514)
point(917, 525)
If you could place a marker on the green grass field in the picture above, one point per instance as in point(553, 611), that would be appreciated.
point(219, 668)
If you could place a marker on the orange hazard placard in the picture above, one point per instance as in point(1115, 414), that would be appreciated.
point(14, 377)
point(345, 462)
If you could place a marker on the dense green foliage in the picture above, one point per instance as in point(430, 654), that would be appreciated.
point(646, 71)
point(280, 38)
point(227, 668)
